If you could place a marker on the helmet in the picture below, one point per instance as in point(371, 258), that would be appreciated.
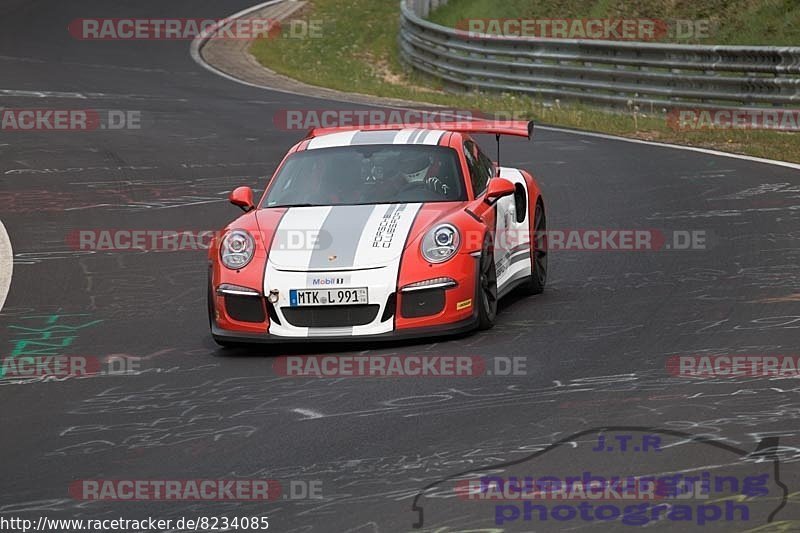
point(415, 168)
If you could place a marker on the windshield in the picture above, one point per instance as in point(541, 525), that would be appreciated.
point(369, 174)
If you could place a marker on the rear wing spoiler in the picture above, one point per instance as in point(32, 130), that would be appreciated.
point(517, 128)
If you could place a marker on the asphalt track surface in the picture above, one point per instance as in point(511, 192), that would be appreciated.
point(596, 342)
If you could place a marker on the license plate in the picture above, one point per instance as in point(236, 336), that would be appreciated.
point(301, 297)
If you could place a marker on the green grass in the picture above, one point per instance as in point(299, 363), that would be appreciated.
point(756, 22)
point(358, 53)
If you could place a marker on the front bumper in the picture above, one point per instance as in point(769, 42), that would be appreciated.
point(395, 314)
point(463, 326)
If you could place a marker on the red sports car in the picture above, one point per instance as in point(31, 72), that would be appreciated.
point(378, 232)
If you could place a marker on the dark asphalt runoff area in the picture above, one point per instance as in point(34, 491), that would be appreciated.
point(373, 454)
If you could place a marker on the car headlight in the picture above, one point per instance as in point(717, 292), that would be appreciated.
point(237, 249)
point(440, 243)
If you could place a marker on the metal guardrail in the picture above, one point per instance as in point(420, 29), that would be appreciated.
point(424, 7)
point(613, 73)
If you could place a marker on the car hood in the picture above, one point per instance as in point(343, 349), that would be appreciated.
point(347, 237)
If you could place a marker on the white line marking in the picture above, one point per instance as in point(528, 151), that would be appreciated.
point(18, 93)
point(6, 264)
point(191, 204)
point(308, 413)
point(786, 164)
point(198, 42)
point(22, 59)
point(44, 94)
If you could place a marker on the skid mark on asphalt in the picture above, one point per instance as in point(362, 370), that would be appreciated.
point(780, 299)
point(193, 415)
point(258, 396)
point(75, 170)
point(123, 195)
point(126, 168)
point(308, 413)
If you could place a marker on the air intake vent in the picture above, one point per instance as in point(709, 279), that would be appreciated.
point(330, 316)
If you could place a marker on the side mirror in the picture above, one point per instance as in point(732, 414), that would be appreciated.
point(243, 197)
point(498, 188)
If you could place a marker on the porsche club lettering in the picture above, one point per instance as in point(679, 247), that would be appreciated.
point(387, 228)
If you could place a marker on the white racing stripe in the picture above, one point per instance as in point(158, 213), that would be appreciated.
point(384, 236)
point(359, 246)
point(343, 138)
point(403, 136)
point(342, 237)
point(432, 137)
point(382, 242)
point(294, 240)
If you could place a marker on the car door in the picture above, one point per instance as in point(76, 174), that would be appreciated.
point(481, 171)
point(513, 239)
point(511, 234)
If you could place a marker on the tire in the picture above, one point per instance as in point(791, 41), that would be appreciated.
point(538, 278)
point(486, 292)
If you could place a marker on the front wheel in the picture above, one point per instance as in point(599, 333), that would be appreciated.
point(487, 286)
point(538, 278)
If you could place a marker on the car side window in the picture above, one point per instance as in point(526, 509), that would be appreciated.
point(485, 164)
point(478, 172)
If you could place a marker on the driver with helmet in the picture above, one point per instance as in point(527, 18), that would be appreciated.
point(422, 170)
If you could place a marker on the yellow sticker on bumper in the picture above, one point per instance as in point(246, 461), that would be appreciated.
point(464, 304)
